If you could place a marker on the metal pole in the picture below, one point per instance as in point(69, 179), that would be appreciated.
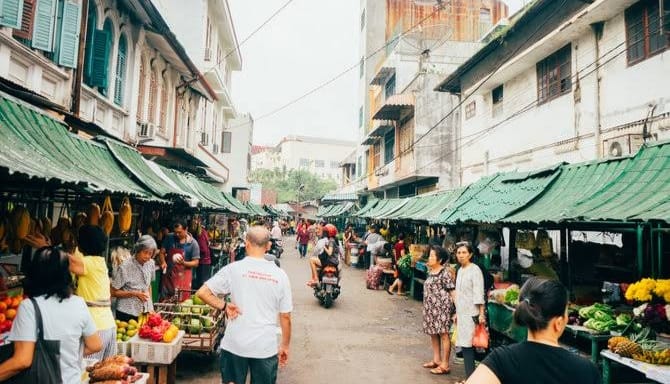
point(640, 250)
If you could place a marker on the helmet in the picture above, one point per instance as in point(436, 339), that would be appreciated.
point(331, 229)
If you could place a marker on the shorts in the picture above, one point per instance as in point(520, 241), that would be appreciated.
point(234, 369)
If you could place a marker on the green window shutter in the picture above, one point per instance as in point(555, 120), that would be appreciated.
point(43, 29)
point(100, 62)
point(12, 10)
point(120, 71)
point(68, 47)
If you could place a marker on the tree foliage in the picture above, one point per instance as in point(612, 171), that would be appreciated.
point(287, 184)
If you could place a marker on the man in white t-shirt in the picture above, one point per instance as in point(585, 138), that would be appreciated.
point(259, 293)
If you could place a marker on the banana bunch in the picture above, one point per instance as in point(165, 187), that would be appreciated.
point(141, 319)
point(661, 357)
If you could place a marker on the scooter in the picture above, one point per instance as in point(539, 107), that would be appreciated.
point(276, 248)
point(327, 289)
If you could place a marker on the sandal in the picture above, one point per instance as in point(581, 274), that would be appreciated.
point(389, 292)
point(431, 365)
point(439, 370)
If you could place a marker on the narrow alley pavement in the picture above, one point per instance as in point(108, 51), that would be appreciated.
point(366, 337)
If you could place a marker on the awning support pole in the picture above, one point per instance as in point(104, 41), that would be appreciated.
point(640, 250)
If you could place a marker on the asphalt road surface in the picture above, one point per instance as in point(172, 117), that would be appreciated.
point(366, 337)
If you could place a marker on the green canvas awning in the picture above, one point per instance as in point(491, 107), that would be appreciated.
point(576, 183)
point(39, 146)
point(205, 194)
point(385, 207)
point(493, 198)
point(367, 207)
point(340, 197)
point(133, 161)
point(255, 209)
point(436, 205)
point(237, 204)
point(413, 204)
point(335, 210)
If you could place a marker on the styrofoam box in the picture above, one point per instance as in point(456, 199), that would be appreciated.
point(123, 348)
point(145, 351)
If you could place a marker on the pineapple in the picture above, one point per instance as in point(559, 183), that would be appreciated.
point(628, 348)
point(614, 341)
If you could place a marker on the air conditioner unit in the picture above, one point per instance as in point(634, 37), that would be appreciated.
point(146, 129)
point(208, 54)
point(204, 139)
point(622, 145)
point(215, 149)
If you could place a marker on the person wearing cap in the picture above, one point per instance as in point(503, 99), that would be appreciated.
point(132, 283)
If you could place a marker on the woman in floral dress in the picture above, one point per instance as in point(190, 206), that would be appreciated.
point(438, 308)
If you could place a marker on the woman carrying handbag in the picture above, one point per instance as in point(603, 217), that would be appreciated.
point(49, 328)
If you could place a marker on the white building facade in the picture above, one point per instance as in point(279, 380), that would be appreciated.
point(319, 156)
point(593, 83)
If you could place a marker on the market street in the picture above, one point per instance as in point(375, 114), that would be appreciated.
point(366, 337)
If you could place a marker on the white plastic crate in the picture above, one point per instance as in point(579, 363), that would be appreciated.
point(145, 351)
point(123, 348)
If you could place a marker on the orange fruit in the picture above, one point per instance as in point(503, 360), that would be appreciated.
point(11, 314)
point(3, 307)
point(2, 317)
point(8, 301)
point(15, 302)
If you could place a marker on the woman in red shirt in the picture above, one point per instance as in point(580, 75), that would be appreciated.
point(398, 253)
point(302, 237)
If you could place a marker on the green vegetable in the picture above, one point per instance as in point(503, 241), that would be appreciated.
point(512, 295)
point(602, 316)
point(624, 319)
point(584, 312)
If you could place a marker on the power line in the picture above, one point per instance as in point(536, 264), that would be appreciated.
point(237, 47)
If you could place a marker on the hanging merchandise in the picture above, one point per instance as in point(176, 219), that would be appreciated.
point(93, 214)
point(21, 222)
point(79, 220)
point(125, 215)
point(45, 223)
point(107, 216)
point(545, 244)
point(526, 240)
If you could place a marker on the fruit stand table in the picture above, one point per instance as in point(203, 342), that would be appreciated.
point(657, 373)
point(501, 321)
point(596, 339)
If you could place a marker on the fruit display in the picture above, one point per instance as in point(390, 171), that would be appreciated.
point(601, 318)
point(115, 369)
point(126, 330)
point(640, 347)
point(508, 296)
point(8, 308)
point(158, 329)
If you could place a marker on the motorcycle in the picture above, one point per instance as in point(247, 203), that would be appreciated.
point(327, 289)
point(276, 248)
point(240, 250)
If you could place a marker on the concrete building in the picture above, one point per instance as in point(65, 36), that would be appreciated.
point(206, 29)
point(567, 82)
point(319, 156)
point(406, 131)
point(135, 76)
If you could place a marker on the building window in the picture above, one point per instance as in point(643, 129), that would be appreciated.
point(359, 166)
point(304, 162)
point(360, 117)
point(334, 164)
point(153, 95)
point(376, 155)
point(226, 142)
point(363, 19)
point(554, 75)
point(389, 146)
point(141, 91)
point(497, 101)
point(165, 94)
point(644, 35)
point(485, 21)
point(120, 80)
point(405, 137)
point(470, 110)
point(361, 69)
point(319, 163)
point(389, 89)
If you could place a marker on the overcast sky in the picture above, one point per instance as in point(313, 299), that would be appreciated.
point(308, 43)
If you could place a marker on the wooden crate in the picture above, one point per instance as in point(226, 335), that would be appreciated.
point(159, 373)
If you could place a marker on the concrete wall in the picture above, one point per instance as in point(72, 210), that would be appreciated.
point(574, 126)
point(238, 160)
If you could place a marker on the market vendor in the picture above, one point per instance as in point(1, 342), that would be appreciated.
point(204, 269)
point(132, 281)
point(179, 255)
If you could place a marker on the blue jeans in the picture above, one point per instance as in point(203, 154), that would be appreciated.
point(302, 249)
point(234, 369)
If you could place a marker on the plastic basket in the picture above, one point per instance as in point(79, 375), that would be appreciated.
point(205, 341)
point(123, 348)
point(144, 351)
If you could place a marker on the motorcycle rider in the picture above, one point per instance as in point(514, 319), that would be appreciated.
point(319, 248)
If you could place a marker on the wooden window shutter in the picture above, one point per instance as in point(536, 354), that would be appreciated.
point(43, 28)
point(12, 12)
point(68, 47)
point(164, 107)
point(120, 82)
point(153, 90)
point(26, 31)
point(100, 67)
point(140, 92)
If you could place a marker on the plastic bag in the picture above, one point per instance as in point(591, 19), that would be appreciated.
point(481, 337)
